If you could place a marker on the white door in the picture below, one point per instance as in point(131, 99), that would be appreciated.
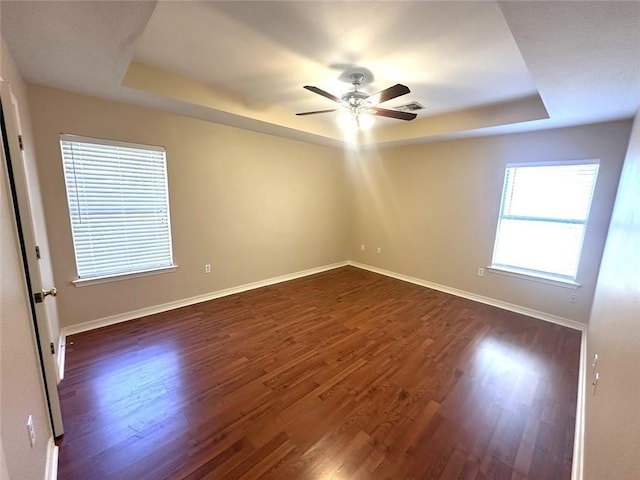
point(38, 293)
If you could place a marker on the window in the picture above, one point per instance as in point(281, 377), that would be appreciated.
point(119, 206)
point(543, 217)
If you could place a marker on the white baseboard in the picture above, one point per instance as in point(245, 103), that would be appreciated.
point(577, 467)
point(51, 469)
point(565, 322)
point(123, 317)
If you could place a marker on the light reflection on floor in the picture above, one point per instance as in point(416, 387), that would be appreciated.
point(496, 356)
point(509, 378)
point(149, 376)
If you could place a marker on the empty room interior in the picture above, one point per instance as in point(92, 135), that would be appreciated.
point(320, 240)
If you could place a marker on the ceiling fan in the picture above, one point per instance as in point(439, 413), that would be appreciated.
point(357, 102)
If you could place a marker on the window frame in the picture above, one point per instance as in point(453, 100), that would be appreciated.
point(537, 275)
point(112, 277)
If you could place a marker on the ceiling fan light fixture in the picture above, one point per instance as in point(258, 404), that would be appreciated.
point(347, 121)
point(352, 119)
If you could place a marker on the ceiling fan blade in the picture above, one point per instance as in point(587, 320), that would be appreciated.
point(322, 92)
point(389, 93)
point(317, 111)
point(383, 112)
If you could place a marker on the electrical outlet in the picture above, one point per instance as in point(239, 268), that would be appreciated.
point(480, 272)
point(573, 298)
point(378, 250)
point(32, 431)
point(362, 247)
point(207, 268)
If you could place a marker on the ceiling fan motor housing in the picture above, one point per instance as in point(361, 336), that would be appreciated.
point(355, 99)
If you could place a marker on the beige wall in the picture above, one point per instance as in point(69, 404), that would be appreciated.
point(253, 206)
point(612, 426)
point(21, 389)
point(238, 203)
point(4, 471)
point(433, 210)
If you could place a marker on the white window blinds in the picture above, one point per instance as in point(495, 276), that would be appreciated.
point(543, 217)
point(119, 206)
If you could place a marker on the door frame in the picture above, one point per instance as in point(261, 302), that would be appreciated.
point(16, 174)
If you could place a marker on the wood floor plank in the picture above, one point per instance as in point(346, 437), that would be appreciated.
point(343, 374)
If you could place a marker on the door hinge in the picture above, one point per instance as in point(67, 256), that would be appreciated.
point(21, 142)
point(53, 349)
point(37, 252)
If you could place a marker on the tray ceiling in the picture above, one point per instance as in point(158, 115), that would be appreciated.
point(477, 67)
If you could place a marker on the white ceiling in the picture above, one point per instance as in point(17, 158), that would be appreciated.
point(477, 67)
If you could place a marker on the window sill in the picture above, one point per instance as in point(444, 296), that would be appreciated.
point(534, 278)
point(85, 282)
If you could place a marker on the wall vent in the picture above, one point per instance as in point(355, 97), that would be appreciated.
point(410, 107)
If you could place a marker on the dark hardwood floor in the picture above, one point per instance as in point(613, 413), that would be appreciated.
point(341, 375)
